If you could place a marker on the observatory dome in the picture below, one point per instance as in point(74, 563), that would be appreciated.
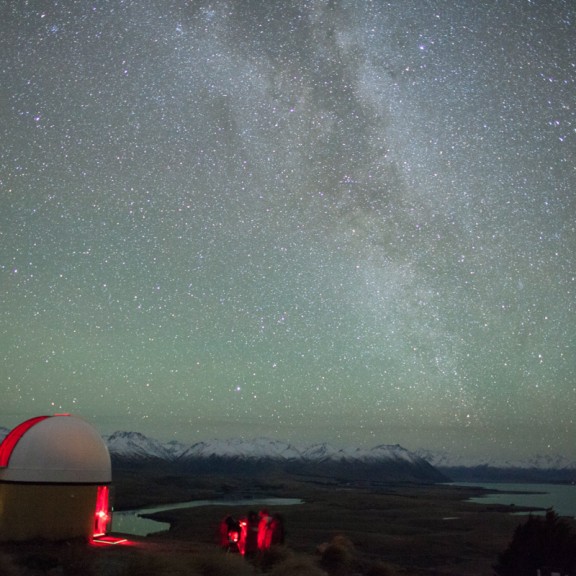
point(55, 449)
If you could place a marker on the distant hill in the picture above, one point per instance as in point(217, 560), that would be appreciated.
point(548, 468)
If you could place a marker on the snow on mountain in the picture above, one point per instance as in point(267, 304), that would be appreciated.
point(135, 445)
point(447, 460)
point(320, 452)
point(547, 462)
point(239, 448)
point(175, 449)
point(265, 456)
point(441, 459)
point(324, 452)
point(395, 452)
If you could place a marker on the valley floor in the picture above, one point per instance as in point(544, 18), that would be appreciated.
point(379, 530)
point(418, 530)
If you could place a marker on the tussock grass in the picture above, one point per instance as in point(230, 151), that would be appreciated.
point(37, 557)
point(219, 564)
point(187, 564)
point(273, 557)
point(379, 568)
point(148, 565)
point(297, 566)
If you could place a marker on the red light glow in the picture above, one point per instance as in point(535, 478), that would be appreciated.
point(102, 513)
point(14, 436)
point(110, 541)
point(249, 535)
point(241, 542)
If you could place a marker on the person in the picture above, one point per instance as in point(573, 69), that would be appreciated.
point(277, 533)
point(251, 542)
point(264, 534)
point(243, 523)
point(230, 534)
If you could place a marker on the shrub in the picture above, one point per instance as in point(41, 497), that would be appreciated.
point(337, 557)
point(273, 556)
point(541, 543)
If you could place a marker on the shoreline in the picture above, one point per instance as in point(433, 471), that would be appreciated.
point(422, 529)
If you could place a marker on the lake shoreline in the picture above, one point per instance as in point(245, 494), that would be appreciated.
point(425, 528)
point(411, 529)
point(560, 497)
point(422, 529)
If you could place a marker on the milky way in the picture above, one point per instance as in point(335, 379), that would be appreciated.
point(339, 221)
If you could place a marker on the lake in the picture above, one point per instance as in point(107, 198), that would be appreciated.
point(561, 497)
point(131, 521)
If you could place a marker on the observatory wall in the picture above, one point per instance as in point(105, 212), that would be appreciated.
point(55, 473)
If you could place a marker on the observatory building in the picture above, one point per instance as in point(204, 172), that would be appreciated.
point(55, 476)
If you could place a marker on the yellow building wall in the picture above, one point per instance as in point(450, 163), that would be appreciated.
point(49, 511)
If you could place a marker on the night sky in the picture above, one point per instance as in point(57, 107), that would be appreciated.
point(351, 222)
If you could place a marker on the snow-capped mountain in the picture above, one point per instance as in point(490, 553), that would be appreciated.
point(134, 445)
point(323, 452)
point(264, 455)
point(387, 462)
point(546, 462)
point(240, 448)
point(441, 459)
point(537, 468)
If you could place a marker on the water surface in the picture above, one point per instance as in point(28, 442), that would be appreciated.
point(131, 521)
point(561, 497)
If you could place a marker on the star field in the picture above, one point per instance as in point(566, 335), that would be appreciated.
point(310, 220)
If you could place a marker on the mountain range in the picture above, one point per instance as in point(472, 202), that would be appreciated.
point(542, 468)
point(263, 456)
point(443, 459)
point(134, 445)
point(383, 462)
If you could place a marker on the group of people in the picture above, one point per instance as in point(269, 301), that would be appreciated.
point(256, 532)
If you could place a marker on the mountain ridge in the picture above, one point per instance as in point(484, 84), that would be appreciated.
point(444, 459)
point(129, 448)
point(265, 456)
point(134, 444)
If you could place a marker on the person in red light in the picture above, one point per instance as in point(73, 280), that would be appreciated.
point(253, 534)
point(230, 534)
point(264, 530)
point(243, 524)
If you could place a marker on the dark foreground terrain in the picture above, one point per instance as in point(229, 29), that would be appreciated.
point(340, 529)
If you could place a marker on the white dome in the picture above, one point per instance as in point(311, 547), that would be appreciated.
point(59, 448)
